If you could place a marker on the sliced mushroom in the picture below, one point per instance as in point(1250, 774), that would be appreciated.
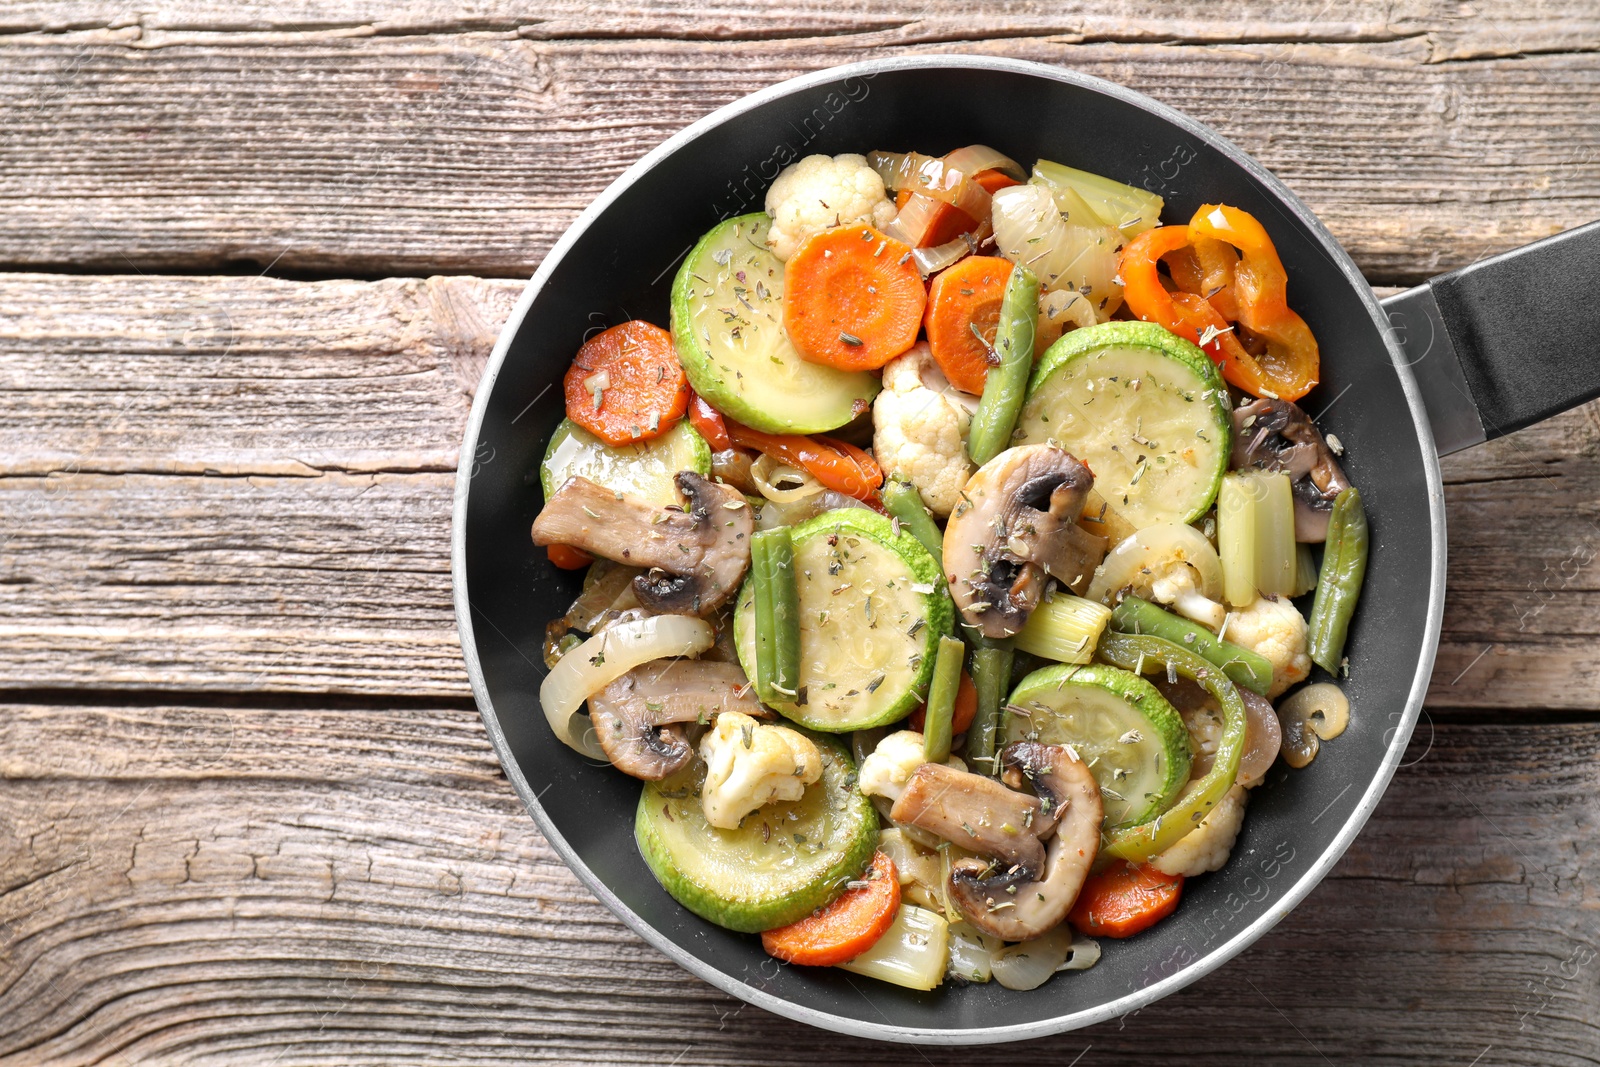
point(695, 554)
point(977, 813)
point(637, 718)
point(1277, 435)
point(1017, 905)
point(1016, 526)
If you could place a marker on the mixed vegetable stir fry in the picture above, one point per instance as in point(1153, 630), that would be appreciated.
point(942, 562)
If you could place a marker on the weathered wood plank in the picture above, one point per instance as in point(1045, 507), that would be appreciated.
point(213, 884)
point(238, 375)
point(314, 554)
point(1454, 30)
point(471, 152)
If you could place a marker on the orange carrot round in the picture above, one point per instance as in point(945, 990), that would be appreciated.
point(852, 298)
point(963, 312)
point(966, 708)
point(626, 384)
point(845, 928)
point(568, 558)
point(1124, 899)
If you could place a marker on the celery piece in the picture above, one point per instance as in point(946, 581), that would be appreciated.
point(912, 953)
point(1064, 628)
point(1129, 209)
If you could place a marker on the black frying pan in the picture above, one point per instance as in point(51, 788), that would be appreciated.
point(1473, 355)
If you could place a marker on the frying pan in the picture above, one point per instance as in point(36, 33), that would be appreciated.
point(1471, 355)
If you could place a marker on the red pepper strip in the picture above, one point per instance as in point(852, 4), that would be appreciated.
point(568, 558)
point(841, 467)
point(1260, 285)
point(708, 423)
point(1217, 261)
point(1185, 314)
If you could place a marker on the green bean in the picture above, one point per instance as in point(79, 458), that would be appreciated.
point(1141, 654)
point(1344, 566)
point(777, 609)
point(903, 502)
point(937, 727)
point(991, 676)
point(1247, 668)
point(1007, 384)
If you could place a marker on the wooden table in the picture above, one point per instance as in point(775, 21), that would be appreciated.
point(255, 254)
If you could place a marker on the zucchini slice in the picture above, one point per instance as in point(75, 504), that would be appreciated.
point(1133, 740)
point(1147, 411)
point(727, 323)
point(873, 605)
point(644, 470)
point(781, 864)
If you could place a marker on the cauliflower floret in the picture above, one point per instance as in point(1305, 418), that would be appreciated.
point(819, 193)
point(919, 426)
point(751, 763)
point(1206, 847)
point(1274, 629)
point(885, 770)
point(1178, 585)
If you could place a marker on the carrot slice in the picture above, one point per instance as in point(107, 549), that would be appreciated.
point(1124, 899)
point(845, 928)
point(708, 423)
point(948, 221)
point(965, 711)
point(626, 384)
point(839, 466)
point(852, 298)
point(568, 558)
point(963, 312)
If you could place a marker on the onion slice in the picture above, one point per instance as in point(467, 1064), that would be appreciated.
point(603, 659)
point(977, 158)
point(931, 177)
point(1029, 964)
point(767, 472)
point(929, 260)
point(1149, 552)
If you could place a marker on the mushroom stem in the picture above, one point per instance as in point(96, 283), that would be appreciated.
point(977, 813)
point(1017, 906)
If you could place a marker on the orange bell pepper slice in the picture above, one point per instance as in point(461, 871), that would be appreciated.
point(1260, 285)
point(1185, 314)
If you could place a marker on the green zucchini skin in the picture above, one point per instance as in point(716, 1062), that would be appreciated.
point(1147, 410)
point(730, 339)
point(877, 627)
point(1133, 740)
point(773, 870)
point(645, 470)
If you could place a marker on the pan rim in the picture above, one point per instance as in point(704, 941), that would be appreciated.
point(1130, 1002)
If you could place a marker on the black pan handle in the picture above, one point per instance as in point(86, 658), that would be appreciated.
point(1506, 342)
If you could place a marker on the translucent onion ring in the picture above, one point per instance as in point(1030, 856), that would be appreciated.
point(931, 177)
point(603, 659)
point(929, 260)
point(766, 472)
point(977, 158)
point(1151, 547)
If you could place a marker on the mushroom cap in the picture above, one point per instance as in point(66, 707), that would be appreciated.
point(1277, 435)
point(1015, 527)
point(637, 718)
point(1005, 904)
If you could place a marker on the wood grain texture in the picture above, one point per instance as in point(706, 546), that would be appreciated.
point(470, 152)
point(241, 883)
point(1454, 30)
point(262, 499)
